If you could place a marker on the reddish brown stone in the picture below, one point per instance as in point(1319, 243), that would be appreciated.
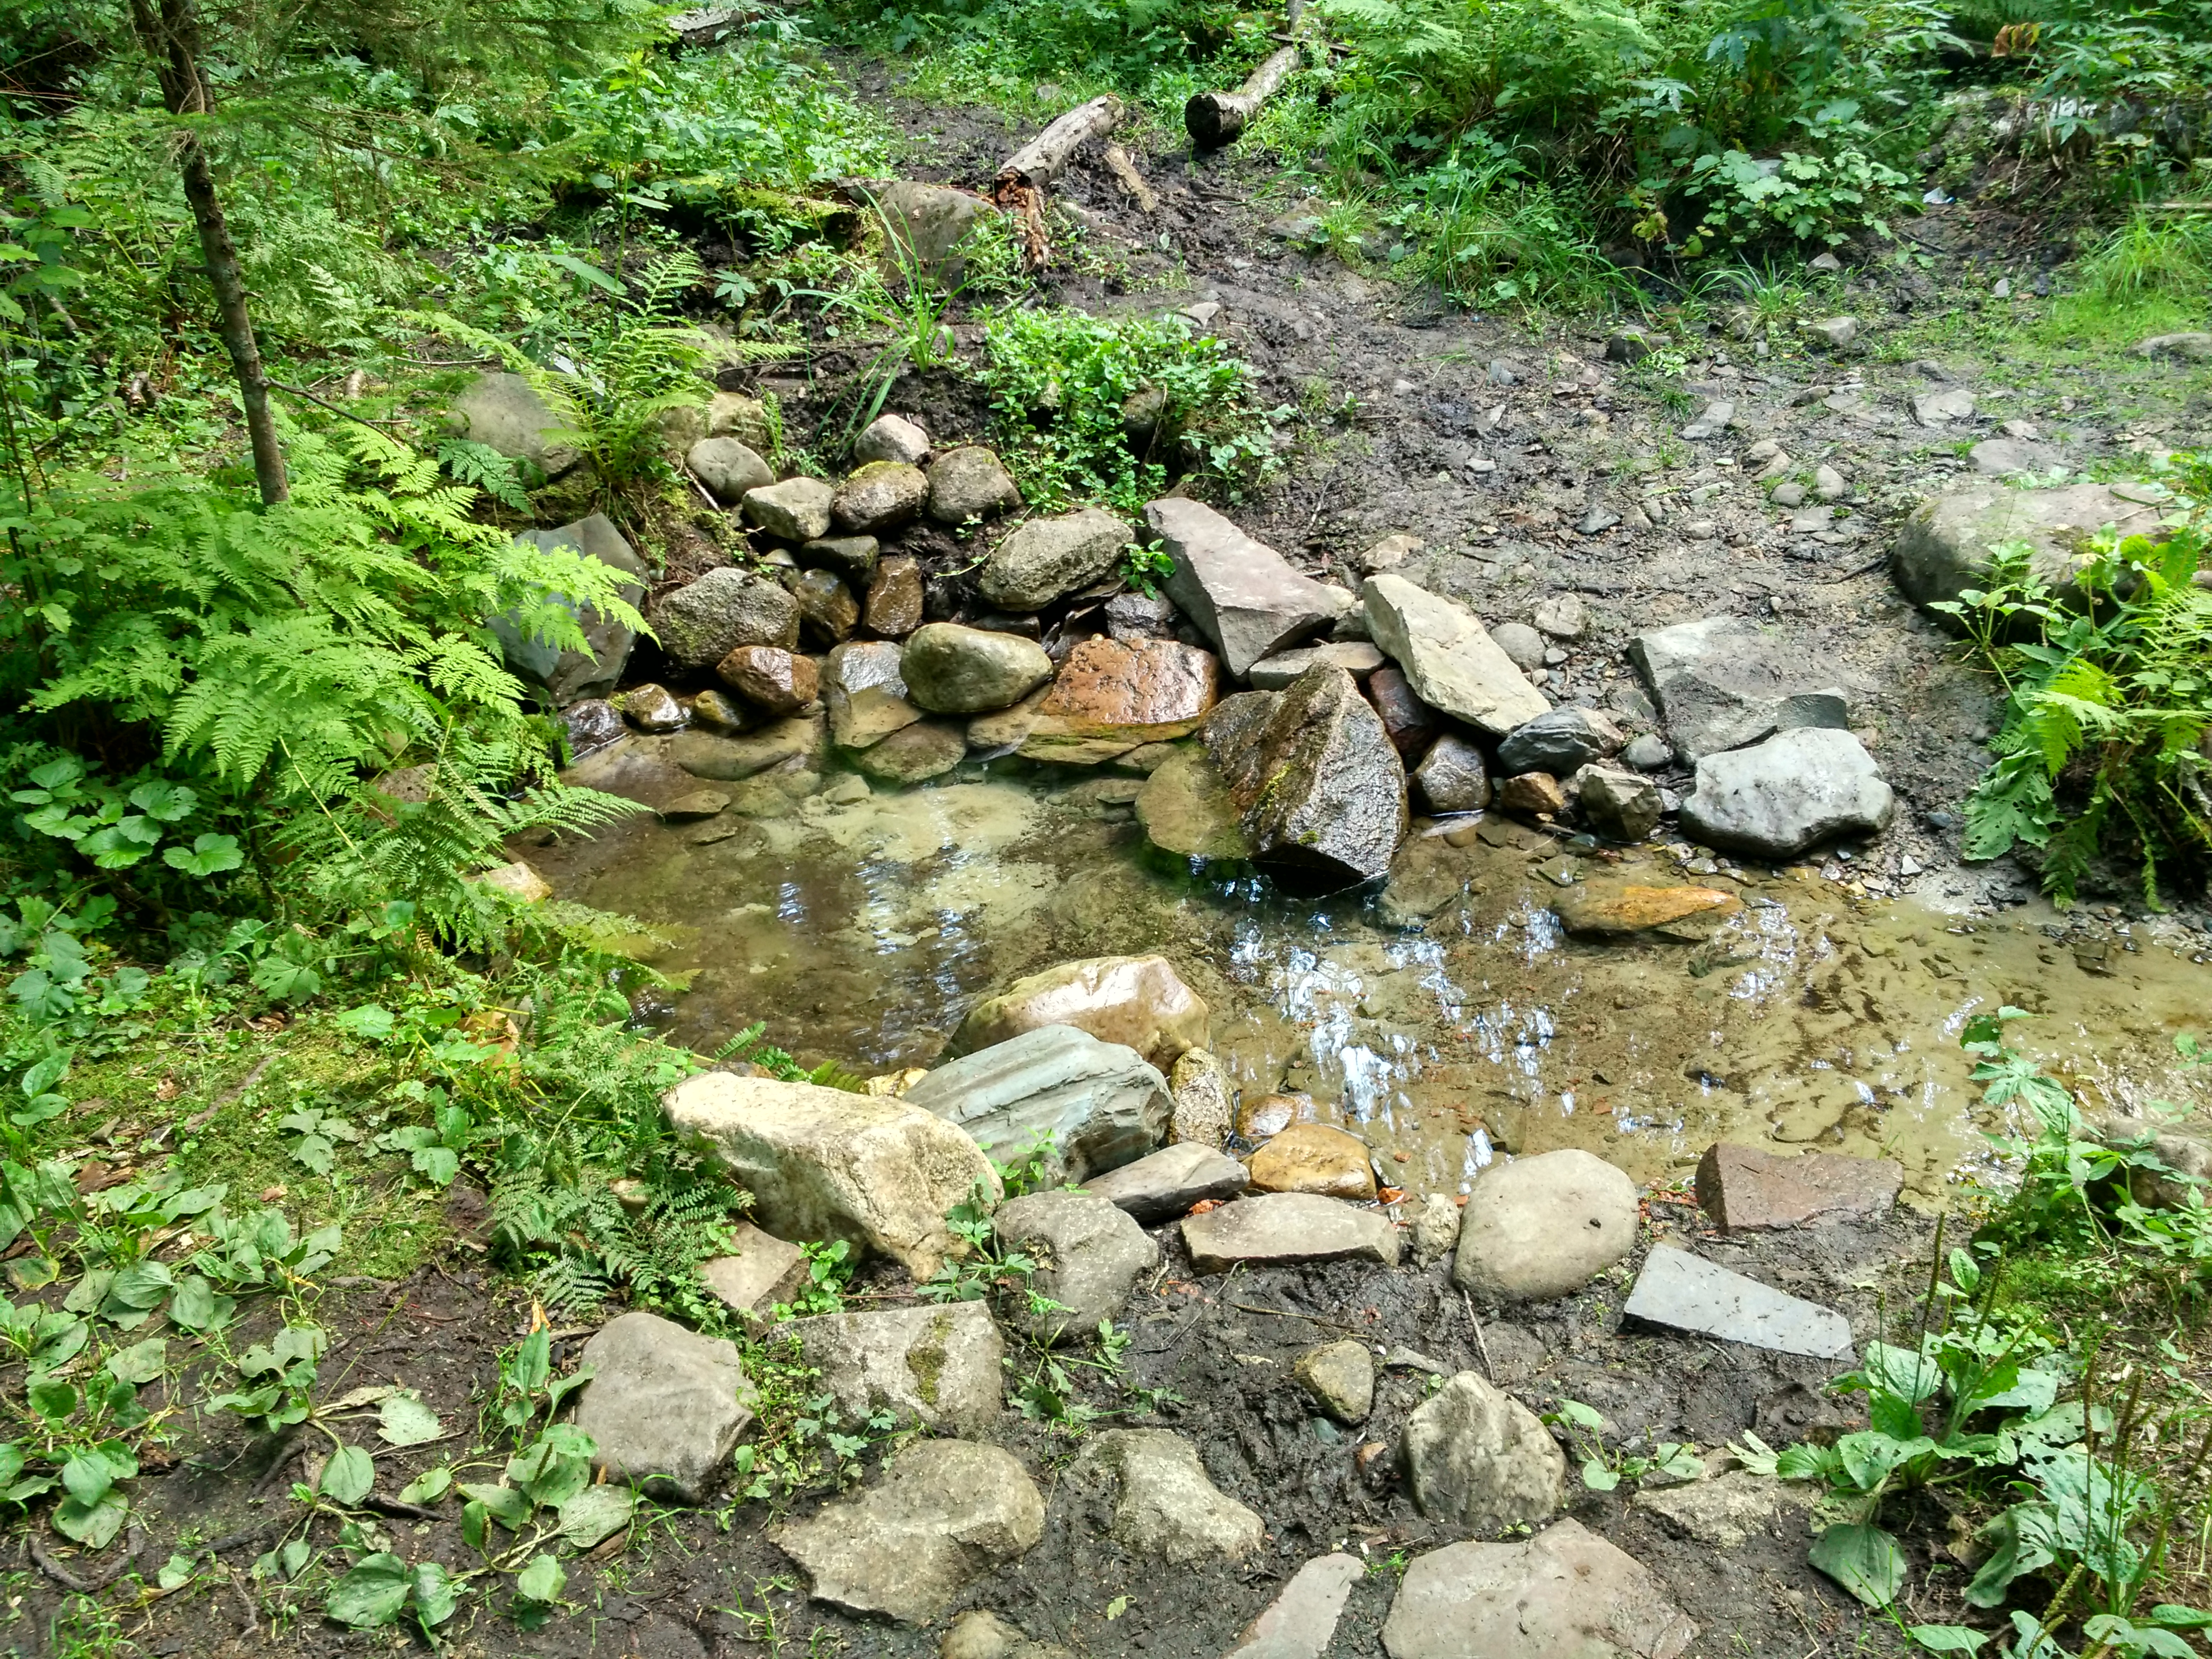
point(1410, 722)
point(1606, 907)
point(1112, 695)
point(826, 606)
point(767, 676)
point(1748, 1190)
point(1270, 1115)
point(894, 598)
point(1533, 794)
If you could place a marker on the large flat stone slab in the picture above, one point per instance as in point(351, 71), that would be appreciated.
point(936, 1367)
point(1111, 696)
point(1448, 658)
point(1720, 682)
point(1564, 1593)
point(1243, 594)
point(1748, 1189)
point(1103, 1105)
point(1943, 549)
point(758, 1272)
point(1300, 1623)
point(1283, 1230)
point(1678, 1291)
point(1167, 1183)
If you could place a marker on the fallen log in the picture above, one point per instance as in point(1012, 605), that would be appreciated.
point(1023, 177)
point(1215, 119)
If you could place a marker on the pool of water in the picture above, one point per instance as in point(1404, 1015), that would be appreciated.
point(861, 932)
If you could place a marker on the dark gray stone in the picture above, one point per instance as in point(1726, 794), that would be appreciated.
point(1243, 594)
point(1165, 1185)
point(1091, 1254)
point(567, 673)
point(1560, 742)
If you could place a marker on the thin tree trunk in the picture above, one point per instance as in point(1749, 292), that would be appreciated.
point(172, 40)
point(1215, 119)
point(1024, 176)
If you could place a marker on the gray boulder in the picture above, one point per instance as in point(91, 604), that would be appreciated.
point(1453, 775)
point(1164, 1504)
point(1719, 683)
point(1560, 742)
point(1616, 802)
point(1564, 1593)
point(796, 510)
point(879, 497)
point(1522, 643)
point(1047, 558)
point(703, 622)
point(729, 469)
point(2192, 345)
point(936, 1367)
point(969, 482)
point(1945, 547)
point(854, 558)
point(1166, 1183)
point(952, 670)
point(1355, 657)
point(865, 694)
point(1478, 1459)
point(1102, 1103)
point(891, 438)
point(503, 412)
point(1319, 788)
point(664, 1405)
point(568, 674)
point(1792, 791)
point(929, 226)
point(1091, 1254)
point(1544, 1226)
point(1448, 658)
point(1286, 1229)
point(1241, 594)
point(1185, 809)
point(946, 1513)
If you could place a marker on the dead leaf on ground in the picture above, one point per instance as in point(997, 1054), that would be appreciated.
point(168, 1089)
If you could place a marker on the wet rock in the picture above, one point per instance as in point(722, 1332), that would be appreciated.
point(1242, 594)
point(1944, 548)
point(758, 1272)
point(824, 1164)
point(796, 510)
point(1091, 1254)
point(1140, 1002)
point(663, 1405)
point(1719, 683)
point(969, 482)
point(1200, 1088)
point(590, 725)
point(693, 805)
point(1046, 559)
point(1616, 802)
point(1283, 1230)
point(1561, 617)
point(1165, 1185)
point(722, 715)
point(892, 438)
point(1613, 909)
point(1454, 777)
point(651, 709)
point(504, 411)
point(729, 469)
point(1144, 760)
point(846, 791)
point(566, 673)
point(1477, 1458)
point(1678, 1291)
point(1004, 729)
point(1341, 1377)
point(1356, 657)
point(1301, 1622)
point(1140, 617)
point(1722, 1512)
point(1264, 1116)
point(770, 677)
point(1533, 795)
point(914, 753)
point(879, 497)
point(940, 1368)
point(729, 760)
point(1789, 793)
point(1426, 878)
point(952, 670)
point(866, 696)
point(1320, 792)
point(1313, 1158)
point(852, 557)
point(1544, 1226)
point(1185, 809)
point(2193, 346)
point(1435, 1227)
point(1111, 695)
point(1452, 663)
point(1749, 1190)
point(1409, 723)
point(703, 622)
point(1102, 1105)
point(1560, 742)
point(1833, 333)
point(1564, 1593)
point(1164, 1506)
point(827, 610)
point(946, 1513)
point(895, 598)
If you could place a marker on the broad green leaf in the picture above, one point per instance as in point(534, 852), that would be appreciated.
point(197, 1307)
point(439, 1163)
point(429, 1487)
point(176, 1571)
point(404, 1420)
point(93, 1525)
point(140, 1363)
point(543, 1580)
point(1864, 1559)
point(1947, 1639)
point(372, 1594)
point(87, 1476)
point(505, 1504)
point(53, 1400)
point(596, 1514)
point(1597, 1477)
point(600, 279)
point(349, 1476)
point(141, 1285)
point(436, 1594)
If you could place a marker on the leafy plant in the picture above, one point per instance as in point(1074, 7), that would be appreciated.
point(1603, 1468)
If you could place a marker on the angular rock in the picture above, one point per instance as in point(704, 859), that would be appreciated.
point(1268, 1116)
point(1301, 1622)
point(848, 673)
point(1452, 663)
point(733, 415)
point(1943, 549)
point(1048, 558)
point(590, 725)
point(663, 1405)
point(504, 411)
point(722, 715)
point(1996, 457)
point(914, 753)
point(1002, 732)
point(852, 557)
point(1090, 1254)
point(827, 610)
point(1746, 1189)
point(1140, 617)
point(565, 673)
point(1410, 724)
point(730, 760)
point(1520, 643)
point(1453, 776)
point(948, 1512)
point(1679, 1291)
point(2194, 345)
point(1648, 752)
point(758, 1272)
point(895, 598)
point(979, 1634)
point(1533, 795)
point(1355, 657)
point(1828, 484)
point(1833, 333)
point(1722, 1512)
point(1435, 1227)
point(1340, 1375)
point(969, 482)
point(952, 670)
point(1711, 421)
point(879, 496)
point(1320, 793)
point(1164, 1505)
point(1560, 742)
point(1243, 594)
point(1564, 1593)
point(1719, 683)
point(1478, 1459)
point(1783, 796)
point(930, 225)
point(1561, 617)
point(823, 1164)
point(1544, 1226)
point(891, 438)
point(1185, 809)
point(651, 709)
point(770, 677)
point(1613, 910)
point(703, 622)
point(1942, 408)
point(1314, 1158)
point(1111, 695)
point(797, 510)
point(1140, 1002)
point(1102, 1105)
point(1616, 802)
point(1285, 1230)
point(940, 1368)
point(729, 469)
point(1165, 1185)
point(1201, 1093)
